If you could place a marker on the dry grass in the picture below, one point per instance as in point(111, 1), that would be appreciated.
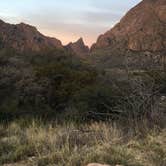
point(72, 145)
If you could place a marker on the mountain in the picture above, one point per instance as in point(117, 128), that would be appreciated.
point(23, 37)
point(79, 48)
point(137, 41)
point(143, 28)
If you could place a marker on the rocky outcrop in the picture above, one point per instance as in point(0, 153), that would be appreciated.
point(79, 48)
point(23, 37)
point(143, 28)
point(96, 164)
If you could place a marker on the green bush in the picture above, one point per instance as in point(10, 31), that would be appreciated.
point(97, 102)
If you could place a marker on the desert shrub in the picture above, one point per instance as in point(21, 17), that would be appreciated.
point(42, 83)
point(55, 81)
point(127, 101)
point(98, 102)
point(1, 42)
point(63, 81)
point(159, 77)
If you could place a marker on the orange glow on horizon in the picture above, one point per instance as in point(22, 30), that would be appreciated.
point(66, 38)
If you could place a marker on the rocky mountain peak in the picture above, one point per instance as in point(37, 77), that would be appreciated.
point(143, 28)
point(26, 26)
point(78, 48)
point(24, 37)
point(1, 21)
point(80, 41)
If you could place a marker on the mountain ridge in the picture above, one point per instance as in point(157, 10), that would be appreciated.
point(139, 28)
point(78, 48)
point(24, 37)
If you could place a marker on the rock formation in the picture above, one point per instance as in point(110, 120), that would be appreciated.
point(143, 28)
point(23, 37)
point(96, 164)
point(79, 48)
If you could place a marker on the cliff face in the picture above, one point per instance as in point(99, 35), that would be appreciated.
point(79, 48)
point(143, 28)
point(23, 37)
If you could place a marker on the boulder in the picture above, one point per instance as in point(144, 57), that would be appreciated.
point(97, 164)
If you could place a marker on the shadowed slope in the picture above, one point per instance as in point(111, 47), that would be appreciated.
point(24, 37)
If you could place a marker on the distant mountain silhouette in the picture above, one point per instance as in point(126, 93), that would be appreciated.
point(78, 48)
point(24, 37)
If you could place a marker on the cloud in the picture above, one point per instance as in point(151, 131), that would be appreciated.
point(105, 18)
point(69, 28)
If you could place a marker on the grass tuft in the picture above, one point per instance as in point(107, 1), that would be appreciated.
point(72, 145)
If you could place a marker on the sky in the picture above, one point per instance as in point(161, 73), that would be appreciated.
point(67, 20)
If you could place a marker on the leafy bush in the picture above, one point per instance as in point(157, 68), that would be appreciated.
point(63, 82)
point(42, 82)
point(97, 102)
point(55, 81)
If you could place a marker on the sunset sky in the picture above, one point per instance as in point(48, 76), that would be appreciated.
point(67, 20)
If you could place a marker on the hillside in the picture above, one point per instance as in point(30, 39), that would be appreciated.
point(143, 28)
point(23, 37)
point(72, 106)
point(137, 41)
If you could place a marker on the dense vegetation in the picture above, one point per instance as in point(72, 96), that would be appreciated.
point(56, 84)
point(84, 113)
point(41, 82)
